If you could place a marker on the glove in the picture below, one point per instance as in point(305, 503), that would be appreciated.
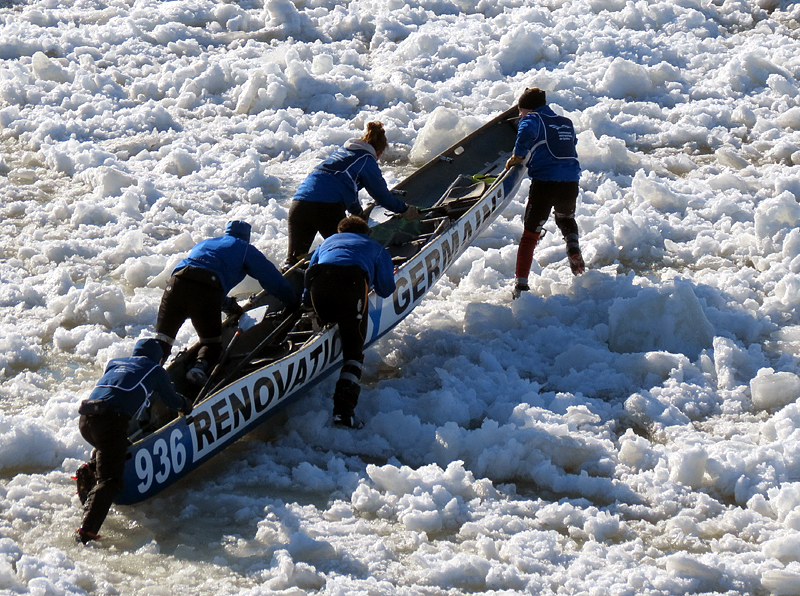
point(356, 209)
point(366, 212)
point(293, 306)
point(411, 213)
point(187, 406)
point(231, 307)
point(514, 160)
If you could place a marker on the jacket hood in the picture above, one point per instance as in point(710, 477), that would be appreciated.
point(359, 145)
point(238, 229)
point(149, 348)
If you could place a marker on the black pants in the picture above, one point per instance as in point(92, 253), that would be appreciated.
point(108, 434)
point(545, 195)
point(188, 298)
point(339, 295)
point(306, 218)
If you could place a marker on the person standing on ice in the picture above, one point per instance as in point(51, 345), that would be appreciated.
point(199, 286)
point(123, 393)
point(554, 171)
point(332, 188)
point(340, 275)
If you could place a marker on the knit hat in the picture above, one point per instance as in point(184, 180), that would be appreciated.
point(531, 99)
point(238, 229)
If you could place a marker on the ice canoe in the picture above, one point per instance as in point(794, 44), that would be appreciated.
point(275, 361)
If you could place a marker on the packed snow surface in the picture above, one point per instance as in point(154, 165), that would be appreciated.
point(634, 430)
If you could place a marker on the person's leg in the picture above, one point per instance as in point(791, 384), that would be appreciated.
point(537, 211)
point(85, 478)
point(172, 312)
point(330, 216)
point(302, 229)
point(306, 218)
point(565, 196)
point(108, 434)
point(527, 244)
point(205, 315)
point(352, 331)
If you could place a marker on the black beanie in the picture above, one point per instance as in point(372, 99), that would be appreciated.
point(238, 229)
point(531, 99)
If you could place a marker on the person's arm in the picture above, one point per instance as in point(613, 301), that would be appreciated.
point(376, 186)
point(384, 274)
point(355, 208)
point(267, 274)
point(165, 390)
point(305, 298)
point(527, 135)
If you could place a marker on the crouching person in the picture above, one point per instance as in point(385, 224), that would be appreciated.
point(122, 393)
point(198, 290)
point(340, 275)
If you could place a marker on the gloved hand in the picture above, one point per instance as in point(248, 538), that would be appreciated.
point(231, 307)
point(366, 212)
point(514, 160)
point(411, 213)
point(295, 304)
point(187, 406)
point(292, 308)
point(355, 209)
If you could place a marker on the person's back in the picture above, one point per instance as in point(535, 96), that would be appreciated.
point(221, 255)
point(127, 383)
point(552, 138)
point(231, 257)
point(358, 249)
point(331, 188)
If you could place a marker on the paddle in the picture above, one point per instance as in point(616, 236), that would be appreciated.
point(452, 208)
point(277, 334)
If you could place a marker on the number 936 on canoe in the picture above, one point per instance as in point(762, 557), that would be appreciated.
point(157, 461)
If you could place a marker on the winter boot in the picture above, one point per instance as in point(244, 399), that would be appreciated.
point(347, 421)
point(345, 399)
point(84, 537)
point(520, 286)
point(574, 254)
point(576, 263)
point(85, 479)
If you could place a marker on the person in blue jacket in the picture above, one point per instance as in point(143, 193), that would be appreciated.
point(332, 187)
point(124, 392)
point(199, 286)
point(340, 275)
point(554, 171)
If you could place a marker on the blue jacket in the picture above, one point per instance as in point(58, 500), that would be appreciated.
point(553, 141)
point(127, 384)
point(346, 249)
point(338, 179)
point(231, 259)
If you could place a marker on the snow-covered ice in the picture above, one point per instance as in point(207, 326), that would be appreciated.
point(634, 430)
